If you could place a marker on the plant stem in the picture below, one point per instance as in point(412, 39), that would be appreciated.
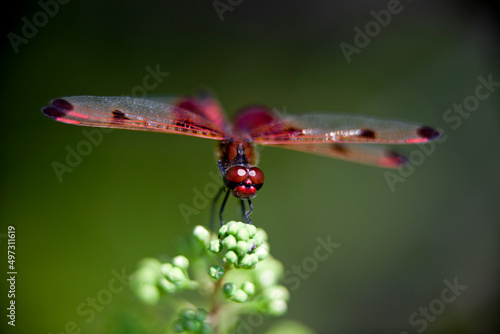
point(216, 306)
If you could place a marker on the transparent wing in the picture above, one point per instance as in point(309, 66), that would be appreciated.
point(333, 135)
point(205, 104)
point(332, 128)
point(360, 153)
point(133, 114)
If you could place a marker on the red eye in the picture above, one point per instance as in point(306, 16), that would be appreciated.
point(244, 192)
point(244, 182)
point(256, 176)
point(236, 174)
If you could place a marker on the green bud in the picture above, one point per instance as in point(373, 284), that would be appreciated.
point(175, 275)
point(165, 268)
point(242, 247)
point(231, 257)
point(262, 252)
point(234, 227)
point(228, 289)
point(216, 272)
point(147, 275)
point(201, 314)
point(276, 292)
point(179, 326)
point(229, 242)
point(268, 272)
point(167, 286)
point(249, 261)
point(201, 234)
point(223, 231)
point(215, 246)
point(249, 288)
point(239, 296)
point(243, 234)
point(181, 262)
point(192, 326)
point(258, 241)
point(149, 294)
point(261, 234)
point(252, 230)
point(267, 277)
point(188, 314)
point(277, 307)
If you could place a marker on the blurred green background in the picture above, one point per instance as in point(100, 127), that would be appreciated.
point(120, 204)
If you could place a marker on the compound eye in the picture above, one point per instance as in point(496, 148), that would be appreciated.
point(242, 191)
point(256, 176)
point(236, 174)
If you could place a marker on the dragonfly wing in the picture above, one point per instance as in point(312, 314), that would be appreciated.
point(338, 128)
point(131, 113)
point(333, 135)
point(205, 104)
point(360, 153)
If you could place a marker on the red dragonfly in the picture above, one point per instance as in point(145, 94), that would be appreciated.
point(331, 135)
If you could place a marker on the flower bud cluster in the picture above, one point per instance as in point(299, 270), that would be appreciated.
point(272, 297)
point(152, 277)
point(241, 294)
point(193, 321)
point(240, 246)
point(273, 300)
point(245, 245)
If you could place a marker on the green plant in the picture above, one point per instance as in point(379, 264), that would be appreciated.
point(232, 274)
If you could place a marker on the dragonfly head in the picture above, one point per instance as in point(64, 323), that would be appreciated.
point(244, 182)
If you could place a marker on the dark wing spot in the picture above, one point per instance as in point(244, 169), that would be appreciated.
point(428, 133)
point(59, 108)
point(339, 148)
point(291, 131)
point(117, 114)
point(62, 104)
point(53, 112)
point(396, 158)
point(367, 133)
point(391, 159)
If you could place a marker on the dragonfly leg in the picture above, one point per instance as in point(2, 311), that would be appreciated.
point(246, 214)
point(221, 168)
point(212, 211)
point(222, 207)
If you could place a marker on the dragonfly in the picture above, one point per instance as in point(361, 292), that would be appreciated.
point(342, 136)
